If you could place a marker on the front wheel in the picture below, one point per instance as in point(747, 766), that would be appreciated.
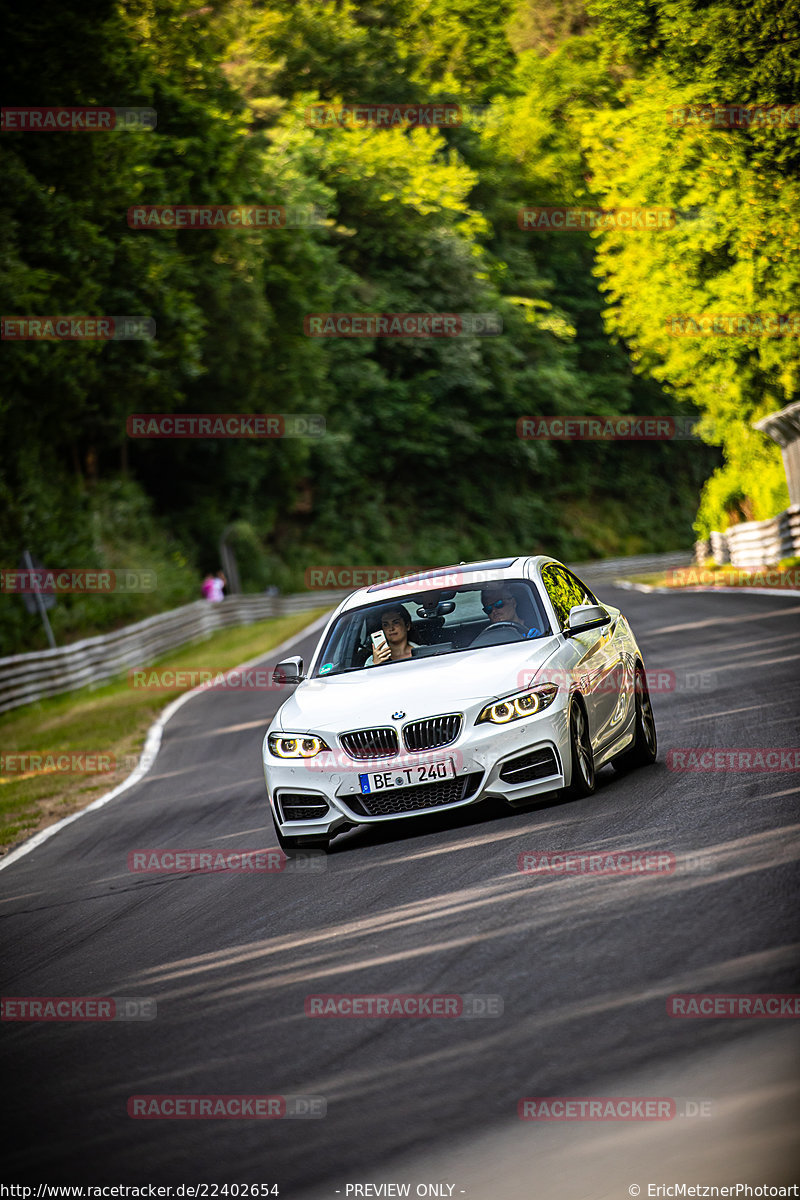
point(289, 844)
point(645, 742)
point(583, 776)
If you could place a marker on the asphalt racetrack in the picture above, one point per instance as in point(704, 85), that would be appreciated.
point(583, 964)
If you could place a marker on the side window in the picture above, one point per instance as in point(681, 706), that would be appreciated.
point(565, 591)
point(555, 583)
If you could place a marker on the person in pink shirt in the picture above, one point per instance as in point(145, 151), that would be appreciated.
point(213, 587)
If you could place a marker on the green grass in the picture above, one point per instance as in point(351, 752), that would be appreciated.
point(111, 720)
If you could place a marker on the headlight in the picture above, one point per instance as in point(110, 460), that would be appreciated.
point(296, 745)
point(524, 704)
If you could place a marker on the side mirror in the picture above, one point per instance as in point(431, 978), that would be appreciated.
point(290, 670)
point(586, 616)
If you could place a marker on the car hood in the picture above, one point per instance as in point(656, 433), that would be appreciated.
point(417, 688)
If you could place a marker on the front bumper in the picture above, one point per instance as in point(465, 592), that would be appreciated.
point(514, 762)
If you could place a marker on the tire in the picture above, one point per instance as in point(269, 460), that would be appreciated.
point(645, 740)
point(289, 844)
point(582, 782)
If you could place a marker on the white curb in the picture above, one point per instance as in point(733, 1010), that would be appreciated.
point(151, 747)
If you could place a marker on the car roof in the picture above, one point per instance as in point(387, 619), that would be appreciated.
point(458, 574)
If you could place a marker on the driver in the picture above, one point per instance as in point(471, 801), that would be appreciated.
point(396, 626)
point(499, 605)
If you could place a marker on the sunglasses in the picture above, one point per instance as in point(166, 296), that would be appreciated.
point(488, 608)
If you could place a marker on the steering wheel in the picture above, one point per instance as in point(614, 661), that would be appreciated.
point(486, 636)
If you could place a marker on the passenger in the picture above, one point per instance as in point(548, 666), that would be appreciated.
point(499, 605)
point(396, 626)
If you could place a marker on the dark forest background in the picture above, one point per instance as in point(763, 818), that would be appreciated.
point(566, 103)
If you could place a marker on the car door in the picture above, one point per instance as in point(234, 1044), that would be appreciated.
point(591, 657)
point(619, 678)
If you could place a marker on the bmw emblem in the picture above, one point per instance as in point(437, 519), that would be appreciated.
point(398, 716)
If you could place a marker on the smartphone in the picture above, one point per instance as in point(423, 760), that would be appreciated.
point(378, 641)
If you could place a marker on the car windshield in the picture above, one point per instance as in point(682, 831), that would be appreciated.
point(434, 622)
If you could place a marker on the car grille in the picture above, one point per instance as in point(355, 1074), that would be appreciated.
point(432, 733)
point(418, 798)
point(537, 764)
point(298, 807)
point(370, 743)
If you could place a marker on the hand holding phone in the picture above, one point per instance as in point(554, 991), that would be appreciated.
point(380, 647)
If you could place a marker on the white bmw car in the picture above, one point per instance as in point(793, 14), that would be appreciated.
point(505, 679)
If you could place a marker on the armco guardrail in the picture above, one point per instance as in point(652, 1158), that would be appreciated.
point(609, 569)
point(755, 543)
point(25, 678)
point(759, 543)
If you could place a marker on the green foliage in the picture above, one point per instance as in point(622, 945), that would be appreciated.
point(421, 462)
point(735, 246)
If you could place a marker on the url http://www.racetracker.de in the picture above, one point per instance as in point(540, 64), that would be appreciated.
point(22, 1191)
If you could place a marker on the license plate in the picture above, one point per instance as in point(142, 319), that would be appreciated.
point(384, 781)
